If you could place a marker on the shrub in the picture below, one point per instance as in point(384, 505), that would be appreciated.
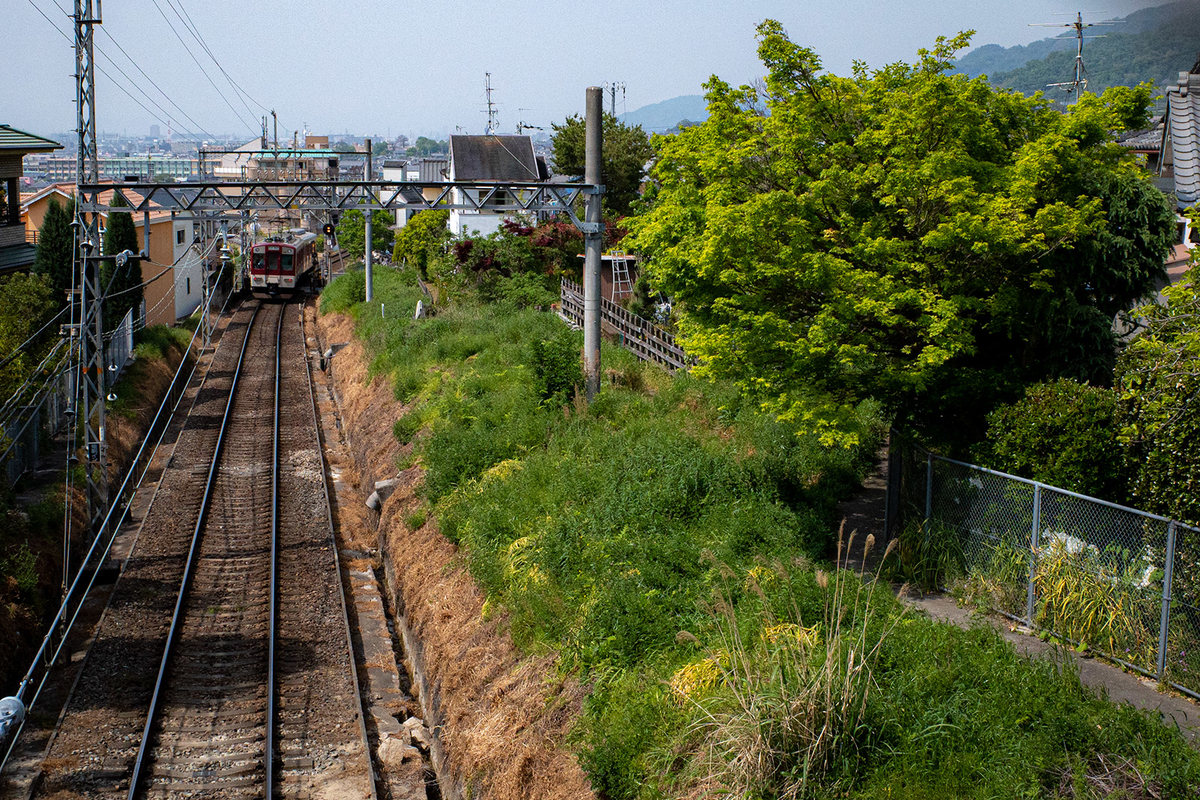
point(422, 235)
point(1158, 377)
point(1065, 434)
point(556, 369)
point(343, 292)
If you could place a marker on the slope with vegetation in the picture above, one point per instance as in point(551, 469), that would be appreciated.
point(666, 547)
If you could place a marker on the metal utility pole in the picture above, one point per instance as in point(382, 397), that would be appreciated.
point(367, 213)
point(88, 291)
point(592, 228)
point(612, 91)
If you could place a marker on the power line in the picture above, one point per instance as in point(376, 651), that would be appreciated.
point(156, 86)
point(105, 72)
point(243, 95)
point(207, 77)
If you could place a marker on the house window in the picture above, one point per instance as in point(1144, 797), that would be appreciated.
point(10, 202)
point(178, 237)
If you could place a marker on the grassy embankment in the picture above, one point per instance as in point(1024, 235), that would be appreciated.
point(666, 544)
point(31, 531)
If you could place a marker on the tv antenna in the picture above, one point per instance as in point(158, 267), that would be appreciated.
point(491, 107)
point(1079, 84)
point(524, 126)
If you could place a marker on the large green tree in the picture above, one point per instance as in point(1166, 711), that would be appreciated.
point(626, 150)
point(352, 232)
point(56, 249)
point(121, 277)
point(903, 234)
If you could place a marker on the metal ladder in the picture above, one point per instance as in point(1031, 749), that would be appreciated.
point(620, 269)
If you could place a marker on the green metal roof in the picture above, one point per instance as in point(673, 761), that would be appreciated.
point(16, 257)
point(13, 139)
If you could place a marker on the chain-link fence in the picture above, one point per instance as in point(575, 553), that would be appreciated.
point(1124, 582)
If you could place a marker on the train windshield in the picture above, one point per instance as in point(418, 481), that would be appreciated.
point(260, 262)
point(285, 265)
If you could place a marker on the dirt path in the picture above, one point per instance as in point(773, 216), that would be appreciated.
point(864, 513)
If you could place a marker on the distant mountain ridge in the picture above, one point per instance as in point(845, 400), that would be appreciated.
point(662, 117)
point(1150, 44)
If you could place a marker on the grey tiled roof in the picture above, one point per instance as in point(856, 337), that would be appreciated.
point(16, 257)
point(13, 139)
point(1183, 128)
point(493, 158)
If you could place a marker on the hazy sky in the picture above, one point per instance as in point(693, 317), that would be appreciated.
point(376, 67)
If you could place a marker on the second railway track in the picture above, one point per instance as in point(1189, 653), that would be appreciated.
point(249, 692)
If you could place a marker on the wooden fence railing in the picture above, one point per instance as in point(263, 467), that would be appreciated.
point(641, 337)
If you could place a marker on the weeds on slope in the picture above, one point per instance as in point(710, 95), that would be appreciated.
point(603, 531)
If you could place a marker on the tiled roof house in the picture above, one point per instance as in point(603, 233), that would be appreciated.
point(1181, 137)
point(508, 159)
point(16, 254)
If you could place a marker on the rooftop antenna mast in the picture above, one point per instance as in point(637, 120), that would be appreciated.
point(524, 126)
point(491, 107)
point(1079, 83)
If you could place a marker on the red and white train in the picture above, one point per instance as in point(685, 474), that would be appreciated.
point(279, 265)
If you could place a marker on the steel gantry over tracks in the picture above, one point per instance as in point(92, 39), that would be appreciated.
point(337, 196)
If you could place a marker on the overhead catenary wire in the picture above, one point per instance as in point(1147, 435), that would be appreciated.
point(243, 95)
point(207, 77)
point(106, 74)
point(156, 86)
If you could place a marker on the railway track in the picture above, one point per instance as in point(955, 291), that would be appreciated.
point(253, 690)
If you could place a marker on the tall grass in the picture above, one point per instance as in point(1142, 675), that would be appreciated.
point(775, 713)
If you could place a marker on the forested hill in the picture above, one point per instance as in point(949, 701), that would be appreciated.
point(1151, 44)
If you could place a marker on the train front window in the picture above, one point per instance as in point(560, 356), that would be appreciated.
point(260, 262)
point(285, 265)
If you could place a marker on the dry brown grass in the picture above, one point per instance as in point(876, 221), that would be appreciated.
point(504, 715)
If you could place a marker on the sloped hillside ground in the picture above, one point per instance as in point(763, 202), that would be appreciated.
point(634, 599)
point(501, 713)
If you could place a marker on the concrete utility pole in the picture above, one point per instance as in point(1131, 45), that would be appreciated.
point(367, 233)
point(592, 228)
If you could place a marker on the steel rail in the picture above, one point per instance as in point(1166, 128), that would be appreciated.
point(49, 659)
point(193, 550)
point(337, 562)
point(269, 755)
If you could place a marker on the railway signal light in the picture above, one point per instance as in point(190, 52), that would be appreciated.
point(328, 229)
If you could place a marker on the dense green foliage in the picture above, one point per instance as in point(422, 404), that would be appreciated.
point(56, 249)
point(519, 264)
point(122, 282)
point(624, 153)
point(1159, 382)
point(604, 531)
point(352, 232)
point(1065, 434)
point(907, 235)
point(421, 236)
point(424, 146)
point(27, 303)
